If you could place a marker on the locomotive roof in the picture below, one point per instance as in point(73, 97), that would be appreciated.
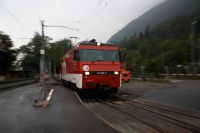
point(95, 43)
point(86, 43)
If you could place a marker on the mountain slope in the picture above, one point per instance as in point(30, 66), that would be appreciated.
point(165, 11)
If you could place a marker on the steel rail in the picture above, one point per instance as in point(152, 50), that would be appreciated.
point(161, 108)
point(16, 83)
point(178, 122)
point(138, 119)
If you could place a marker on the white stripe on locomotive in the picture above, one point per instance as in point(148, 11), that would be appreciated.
point(73, 78)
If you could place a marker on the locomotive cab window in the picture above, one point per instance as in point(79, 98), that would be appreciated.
point(99, 55)
point(76, 55)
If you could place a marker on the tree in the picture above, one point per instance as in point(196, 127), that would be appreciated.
point(56, 51)
point(53, 52)
point(32, 53)
point(167, 44)
point(153, 66)
point(133, 60)
point(146, 31)
point(7, 55)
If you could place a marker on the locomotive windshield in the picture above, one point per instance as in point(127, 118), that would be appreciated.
point(99, 55)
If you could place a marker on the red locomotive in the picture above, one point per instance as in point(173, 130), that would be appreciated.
point(92, 66)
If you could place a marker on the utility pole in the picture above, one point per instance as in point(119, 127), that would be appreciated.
point(194, 48)
point(42, 63)
point(54, 64)
point(42, 51)
point(197, 27)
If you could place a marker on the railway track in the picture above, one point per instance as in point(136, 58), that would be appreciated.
point(130, 115)
point(16, 83)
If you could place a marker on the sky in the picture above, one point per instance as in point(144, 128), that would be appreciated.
point(86, 19)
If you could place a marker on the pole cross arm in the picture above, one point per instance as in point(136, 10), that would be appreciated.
point(59, 26)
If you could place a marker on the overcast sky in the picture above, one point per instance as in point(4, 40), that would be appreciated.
point(98, 19)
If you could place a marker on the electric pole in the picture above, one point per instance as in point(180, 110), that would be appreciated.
point(194, 47)
point(42, 63)
point(42, 53)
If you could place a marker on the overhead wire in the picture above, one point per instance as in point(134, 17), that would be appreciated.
point(102, 4)
point(37, 13)
point(14, 16)
point(105, 5)
point(93, 11)
point(6, 29)
point(12, 31)
point(74, 24)
point(10, 27)
point(90, 7)
point(36, 9)
point(10, 13)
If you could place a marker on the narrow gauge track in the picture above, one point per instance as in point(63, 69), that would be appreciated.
point(16, 83)
point(128, 115)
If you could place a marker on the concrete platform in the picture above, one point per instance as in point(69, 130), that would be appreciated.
point(64, 115)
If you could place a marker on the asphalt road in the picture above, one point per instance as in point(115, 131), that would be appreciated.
point(65, 114)
point(179, 93)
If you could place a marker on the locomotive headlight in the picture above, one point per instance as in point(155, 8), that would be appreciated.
point(98, 44)
point(87, 73)
point(116, 73)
